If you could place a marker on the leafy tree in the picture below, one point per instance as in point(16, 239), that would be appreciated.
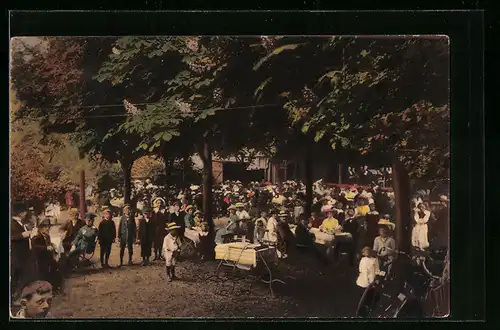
point(56, 88)
point(366, 94)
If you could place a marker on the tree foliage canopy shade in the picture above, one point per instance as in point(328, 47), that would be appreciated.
point(366, 94)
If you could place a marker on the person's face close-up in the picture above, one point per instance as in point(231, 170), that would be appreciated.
point(90, 222)
point(190, 211)
point(126, 211)
point(372, 207)
point(107, 215)
point(382, 232)
point(39, 305)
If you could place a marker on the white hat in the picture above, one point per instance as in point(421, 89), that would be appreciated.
point(443, 198)
point(194, 187)
point(371, 201)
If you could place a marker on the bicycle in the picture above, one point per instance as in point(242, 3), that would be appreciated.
point(402, 292)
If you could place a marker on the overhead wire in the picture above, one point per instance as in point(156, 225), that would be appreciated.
point(176, 111)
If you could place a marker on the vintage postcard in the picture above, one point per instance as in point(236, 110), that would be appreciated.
point(229, 176)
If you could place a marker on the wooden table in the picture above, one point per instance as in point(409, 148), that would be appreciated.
point(247, 256)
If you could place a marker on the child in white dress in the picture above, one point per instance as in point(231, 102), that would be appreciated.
point(368, 268)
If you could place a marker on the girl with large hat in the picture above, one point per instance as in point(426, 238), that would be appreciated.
point(171, 249)
point(384, 245)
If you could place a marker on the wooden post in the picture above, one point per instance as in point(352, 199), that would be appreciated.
point(401, 184)
point(276, 173)
point(82, 195)
point(340, 173)
point(207, 185)
point(308, 182)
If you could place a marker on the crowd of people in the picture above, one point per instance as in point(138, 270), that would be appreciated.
point(162, 219)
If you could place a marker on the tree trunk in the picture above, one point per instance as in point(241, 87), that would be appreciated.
point(401, 184)
point(207, 198)
point(340, 173)
point(308, 182)
point(185, 167)
point(127, 174)
point(83, 204)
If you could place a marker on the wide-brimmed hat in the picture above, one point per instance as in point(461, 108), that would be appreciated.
point(189, 207)
point(231, 207)
point(443, 198)
point(387, 224)
point(18, 207)
point(90, 216)
point(194, 187)
point(172, 226)
point(44, 223)
point(158, 199)
point(198, 212)
point(283, 214)
point(239, 204)
point(73, 210)
point(126, 206)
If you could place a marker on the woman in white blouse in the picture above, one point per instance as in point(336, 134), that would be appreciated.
point(419, 237)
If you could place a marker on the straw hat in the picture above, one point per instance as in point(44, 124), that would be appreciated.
point(189, 207)
point(283, 213)
point(239, 204)
point(443, 198)
point(73, 210)
point(158, 199)
point(106, 209)
point(195, 187)
point(198, 212)
point(387, 223)
point(172, 226)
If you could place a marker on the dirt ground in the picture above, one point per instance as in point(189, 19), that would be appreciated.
point(311, 290)
point(143, 292)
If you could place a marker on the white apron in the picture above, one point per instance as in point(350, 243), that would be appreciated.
point(419, 237)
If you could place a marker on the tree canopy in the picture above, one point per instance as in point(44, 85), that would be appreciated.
point(368, 94)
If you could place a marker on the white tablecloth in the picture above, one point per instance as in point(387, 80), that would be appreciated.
point(324, 238)
point(244, 253)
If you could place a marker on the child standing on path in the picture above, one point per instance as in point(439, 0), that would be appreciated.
point(171, 249)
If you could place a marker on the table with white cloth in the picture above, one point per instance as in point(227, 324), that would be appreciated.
point(326, 239)
point(248, 256)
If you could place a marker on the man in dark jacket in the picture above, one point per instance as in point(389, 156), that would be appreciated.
point(159, 219)
point(20, 244)
point(127, 234)
point(352, 226)
point(106, 236)
point(44, 254)
point(71, 228)
point(146, 235)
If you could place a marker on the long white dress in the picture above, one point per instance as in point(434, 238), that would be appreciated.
point(272, 230)
point(419, 237)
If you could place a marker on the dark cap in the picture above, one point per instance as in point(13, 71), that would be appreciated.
point(146, 209)
point(90, 216)
point(18, 207)
point(44, 223)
